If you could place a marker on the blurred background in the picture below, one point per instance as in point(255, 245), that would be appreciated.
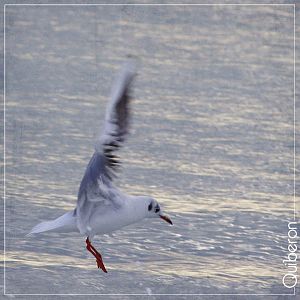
point(211, 139)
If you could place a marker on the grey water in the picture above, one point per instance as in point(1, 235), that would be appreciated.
point(211, 139)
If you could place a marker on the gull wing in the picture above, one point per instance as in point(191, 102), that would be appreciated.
point(96, 186)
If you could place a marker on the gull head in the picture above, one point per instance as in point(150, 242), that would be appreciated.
point(154, 210)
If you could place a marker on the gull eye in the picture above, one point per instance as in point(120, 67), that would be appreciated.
point(157, 209)
point(150, 206)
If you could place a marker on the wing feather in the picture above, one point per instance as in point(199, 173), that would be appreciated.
point(96, 186)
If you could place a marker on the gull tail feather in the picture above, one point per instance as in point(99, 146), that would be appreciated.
point(64, 223)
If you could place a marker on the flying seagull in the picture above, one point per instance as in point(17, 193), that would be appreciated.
point(101, 206)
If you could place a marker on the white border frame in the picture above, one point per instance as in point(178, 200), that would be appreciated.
point(139, 4)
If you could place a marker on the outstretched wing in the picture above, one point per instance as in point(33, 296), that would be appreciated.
point(96, 185)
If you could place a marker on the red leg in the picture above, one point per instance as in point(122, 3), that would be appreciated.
point(97, 255)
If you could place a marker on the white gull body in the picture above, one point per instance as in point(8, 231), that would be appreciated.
point(101, 206)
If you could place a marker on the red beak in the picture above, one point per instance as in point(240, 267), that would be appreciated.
point(166, 218)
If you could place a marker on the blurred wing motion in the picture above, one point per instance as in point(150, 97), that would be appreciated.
point(96, 186)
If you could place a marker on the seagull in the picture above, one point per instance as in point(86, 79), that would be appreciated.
point(101, 207)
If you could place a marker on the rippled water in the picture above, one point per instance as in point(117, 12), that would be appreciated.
point(211, 139)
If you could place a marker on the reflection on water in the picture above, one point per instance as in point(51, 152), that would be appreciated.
point(212, 140)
